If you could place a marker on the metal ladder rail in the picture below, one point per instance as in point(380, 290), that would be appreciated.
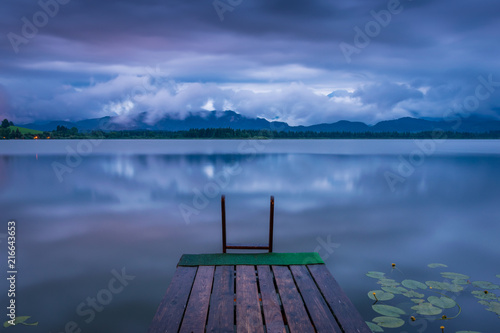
point(226, 246)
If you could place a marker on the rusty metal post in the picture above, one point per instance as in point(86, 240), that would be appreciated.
point(223, 212)
point(271, 224)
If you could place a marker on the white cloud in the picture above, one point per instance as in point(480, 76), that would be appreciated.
point(209, 106)
point(123, 95)
point(295, 103)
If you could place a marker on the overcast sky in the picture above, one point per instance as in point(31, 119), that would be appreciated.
point(300, 61)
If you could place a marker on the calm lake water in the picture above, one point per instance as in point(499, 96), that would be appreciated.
point(87, 211)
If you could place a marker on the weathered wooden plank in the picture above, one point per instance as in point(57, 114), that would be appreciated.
point(270, 302)
point(221, 312)
point(196, 313)
point(248, 314)
point(168, 317)
point(347, 315)
point(295, 312)
point(321, 315)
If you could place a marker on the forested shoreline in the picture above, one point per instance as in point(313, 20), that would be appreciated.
point(229, 133)
point(10, 132)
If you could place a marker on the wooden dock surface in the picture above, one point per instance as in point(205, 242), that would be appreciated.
point(261, 298)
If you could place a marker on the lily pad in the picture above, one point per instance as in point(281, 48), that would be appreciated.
point(20, 320)
point(454, 276)
point(442, 302)
point(417, 300)
point(374, 327)
point(492, 306)
point(460, 281)
point(381, 295)
point(395, 290)
point(389, 322)
point(436, 265)
point(485, 285)
point(498, 276)
point(412, 284)
point(413, 293)
point(427, 309)
point(375, 275)
point(482, 295)
point(388, 310)
point(444, 286)
point(388, 282)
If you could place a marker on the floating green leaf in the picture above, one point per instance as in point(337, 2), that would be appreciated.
point(413, 293)
point(482, 295)
point(395, 290)
point(412, 284)
point(436, 265)
point(390, 322)
point(381, 295)
point(374, 327)
point(444, 286)
point(20, 320)
point(442, 302)
point(454, 276)
point(388, 282)
point(460, 281)
point(388, 310)
point(433, 305)
point(427, 309)
point(375, 275)
point(485, 285)
point(494, 307)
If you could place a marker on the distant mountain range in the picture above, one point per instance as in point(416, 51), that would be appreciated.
point(225, 119)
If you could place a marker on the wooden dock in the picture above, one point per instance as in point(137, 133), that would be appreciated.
point(256, 298)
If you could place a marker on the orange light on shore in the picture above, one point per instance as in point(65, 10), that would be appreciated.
point(48, 137)
point(36, 138)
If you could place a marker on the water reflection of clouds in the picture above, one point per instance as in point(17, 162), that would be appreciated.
point(140, 180)
point(116, 210)
point(305, 185)
point(209, 171)
point(121, 166)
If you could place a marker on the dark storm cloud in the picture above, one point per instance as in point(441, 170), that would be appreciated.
point(4, 102)
point(275, 59)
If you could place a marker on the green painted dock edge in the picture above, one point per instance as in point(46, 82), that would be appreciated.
point(275, 259)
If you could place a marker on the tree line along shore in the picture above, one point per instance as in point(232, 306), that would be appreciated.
point(10, 132)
